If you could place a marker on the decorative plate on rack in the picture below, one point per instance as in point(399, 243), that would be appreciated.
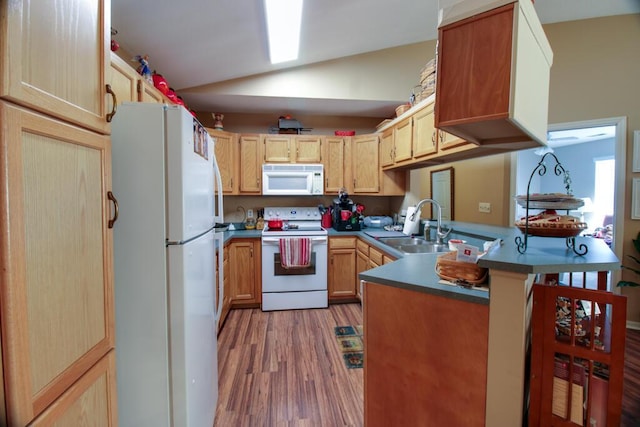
point(550, 201)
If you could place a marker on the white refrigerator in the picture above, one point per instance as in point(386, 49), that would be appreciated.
point(167, 183)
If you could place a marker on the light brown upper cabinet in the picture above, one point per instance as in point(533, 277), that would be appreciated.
point(251, 164)
point(47, 72)
point(277, 149)
point(493, 77)
point(366, 164)
point(292, 149)
point(402, 140)
point(368, 176)
point(387, 149)
point(226, 145)
point(425, 138)
point(336, 159)
point(308, 149)
point(123, 80)
point(129, 86)
point(149, 93)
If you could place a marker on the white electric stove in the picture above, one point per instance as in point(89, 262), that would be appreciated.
point(300, 288)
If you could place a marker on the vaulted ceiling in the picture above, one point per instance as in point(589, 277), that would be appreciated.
point(196, 43)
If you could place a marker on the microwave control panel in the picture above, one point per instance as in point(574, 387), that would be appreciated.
point(316, 186)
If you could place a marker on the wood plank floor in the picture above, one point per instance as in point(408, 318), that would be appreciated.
point(284, 368)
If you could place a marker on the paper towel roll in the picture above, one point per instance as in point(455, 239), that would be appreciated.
point(411, 226)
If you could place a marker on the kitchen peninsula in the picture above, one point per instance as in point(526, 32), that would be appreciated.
point(452, 355)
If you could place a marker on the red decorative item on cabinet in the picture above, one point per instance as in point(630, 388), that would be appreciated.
point(160, 83)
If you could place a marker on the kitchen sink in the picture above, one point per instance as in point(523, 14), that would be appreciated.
point(424, 248)
point(403, 241)
point(414, 245)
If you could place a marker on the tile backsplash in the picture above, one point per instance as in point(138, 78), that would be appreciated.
point(235, 207)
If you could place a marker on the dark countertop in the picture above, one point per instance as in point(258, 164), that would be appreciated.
point(417, 271)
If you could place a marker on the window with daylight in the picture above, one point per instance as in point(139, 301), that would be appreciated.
point(603, 189)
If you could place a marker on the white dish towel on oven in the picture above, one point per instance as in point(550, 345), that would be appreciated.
point(295, 252)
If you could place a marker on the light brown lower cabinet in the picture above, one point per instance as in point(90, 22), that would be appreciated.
point(245, 272)
point(94, 394)
point(425, 360)
point(362, 263)
point(368, 257)
point(342, 268)
point(226, 286)
point(56, 299)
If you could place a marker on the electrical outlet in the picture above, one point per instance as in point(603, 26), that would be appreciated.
point(249, 213)
point(484, 207)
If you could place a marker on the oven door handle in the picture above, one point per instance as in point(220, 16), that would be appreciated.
point(276, 240)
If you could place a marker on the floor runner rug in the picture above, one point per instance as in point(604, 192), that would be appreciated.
point(351, 345)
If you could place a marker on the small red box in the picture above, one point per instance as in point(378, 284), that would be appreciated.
point(345, 132)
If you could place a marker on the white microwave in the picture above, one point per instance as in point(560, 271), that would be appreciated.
point(293, 179)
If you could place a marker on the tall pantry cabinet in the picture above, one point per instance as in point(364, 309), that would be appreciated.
point(56, 210)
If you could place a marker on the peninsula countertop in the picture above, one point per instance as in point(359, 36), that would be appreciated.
point(543, 255)
point(417, 271)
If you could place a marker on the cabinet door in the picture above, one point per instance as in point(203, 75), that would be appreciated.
point(493, 77)
point(277, 149)
point(56, 302)
point(447, 142)
point(226, 299)
point(244, 270)
point(94, 393)
point(149, 93)
point(386, 148)
point(425, 141)
point(123, 80)
point(308, 149)
point(58, 53)
point(366, 164)
point(250, 164)
point(375, 257)
point(386, 259)
point(342, 273)
point(334, 164)
point(402, 135)
point(225, 148)
point(362, 264)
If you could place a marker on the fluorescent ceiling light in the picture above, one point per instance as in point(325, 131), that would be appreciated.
point(283, 28)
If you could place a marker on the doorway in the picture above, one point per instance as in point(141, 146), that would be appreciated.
point(594, 153)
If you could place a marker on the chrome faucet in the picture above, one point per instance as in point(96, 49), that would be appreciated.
point(440, 235)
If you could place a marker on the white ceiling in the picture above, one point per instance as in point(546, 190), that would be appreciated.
point(199, 42)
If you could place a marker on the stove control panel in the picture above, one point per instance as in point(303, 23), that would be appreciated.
point(292, 213)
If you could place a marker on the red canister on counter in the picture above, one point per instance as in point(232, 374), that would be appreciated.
point(325, 220)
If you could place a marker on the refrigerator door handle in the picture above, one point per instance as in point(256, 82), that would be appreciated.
point(218, 214)
point(191, 239)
